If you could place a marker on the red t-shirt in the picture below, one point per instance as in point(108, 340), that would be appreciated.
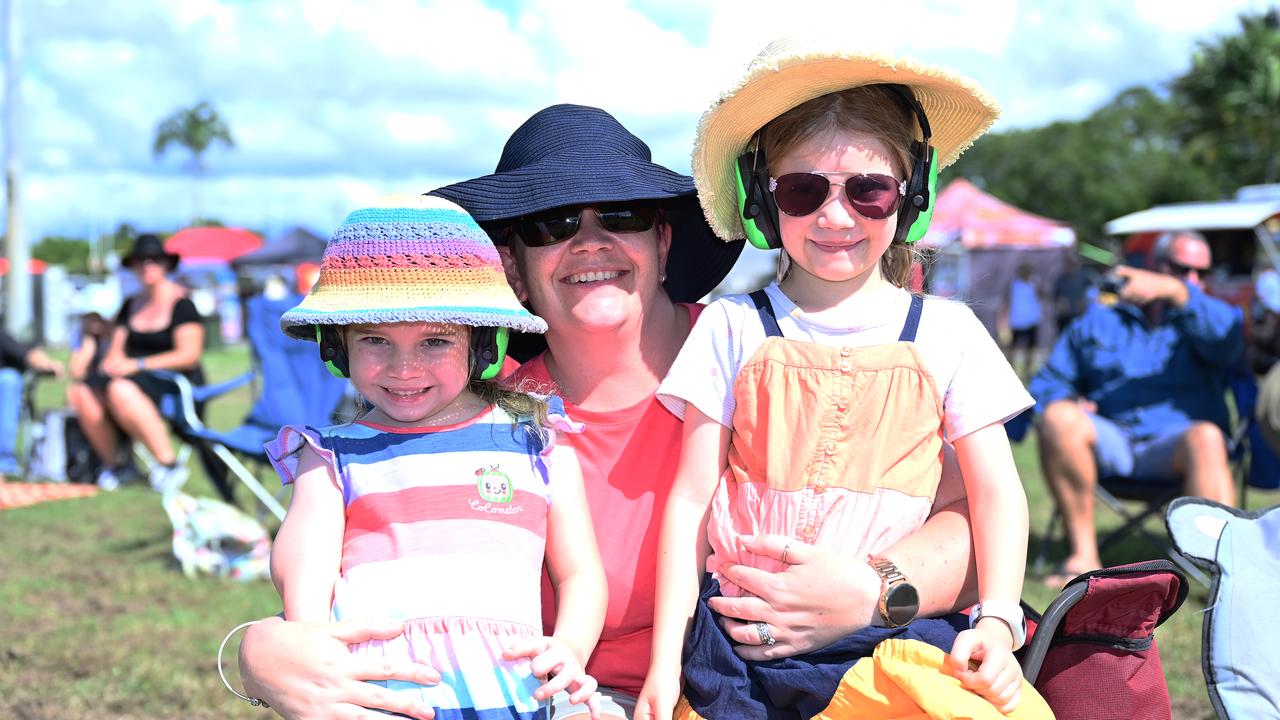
point(628, 460)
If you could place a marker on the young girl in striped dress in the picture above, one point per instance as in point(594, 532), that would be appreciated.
point(438, 505)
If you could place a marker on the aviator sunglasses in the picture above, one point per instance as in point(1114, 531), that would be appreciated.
point(556, 226)
point(873, 196)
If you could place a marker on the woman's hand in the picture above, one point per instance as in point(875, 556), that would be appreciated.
point(819, 598)
point(552, 659)
point(305, 672)
point(118, 366)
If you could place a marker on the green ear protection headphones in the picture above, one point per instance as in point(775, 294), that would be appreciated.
point(760, 213)
point(488, 350)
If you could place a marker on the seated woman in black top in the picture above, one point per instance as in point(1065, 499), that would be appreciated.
point(157, 329)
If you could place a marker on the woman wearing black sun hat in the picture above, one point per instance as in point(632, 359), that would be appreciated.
point(156, 329)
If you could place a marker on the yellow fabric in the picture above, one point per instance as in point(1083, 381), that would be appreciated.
point(906, 680)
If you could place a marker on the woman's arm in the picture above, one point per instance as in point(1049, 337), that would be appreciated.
point(304, 671)
point(114, 363)
point(823, 596)
point(682, 554)
point(307, 554)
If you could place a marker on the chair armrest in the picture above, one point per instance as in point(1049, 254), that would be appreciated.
point(201, 393)
point(180, 406)
point(1048, 627)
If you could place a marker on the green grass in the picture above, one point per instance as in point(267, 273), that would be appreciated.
point(97, 622)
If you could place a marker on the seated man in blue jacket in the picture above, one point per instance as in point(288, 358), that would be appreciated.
point(1138, 389)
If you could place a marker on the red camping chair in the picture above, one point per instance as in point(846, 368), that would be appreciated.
point(1093, 654)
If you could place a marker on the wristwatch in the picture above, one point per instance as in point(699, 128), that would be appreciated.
point(899, 601)
point(1010, 613)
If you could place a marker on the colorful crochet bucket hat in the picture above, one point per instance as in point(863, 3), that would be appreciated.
point(793, 70)
point(410, 259)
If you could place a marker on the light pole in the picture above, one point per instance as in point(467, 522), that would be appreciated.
point(17, 286)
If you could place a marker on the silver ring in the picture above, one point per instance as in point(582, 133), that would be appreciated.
point(766, 637)
point(785, 549)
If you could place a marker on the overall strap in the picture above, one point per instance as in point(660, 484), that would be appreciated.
point(765, 309)
point(913, 319)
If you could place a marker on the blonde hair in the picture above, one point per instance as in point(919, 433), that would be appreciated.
point(867, 110)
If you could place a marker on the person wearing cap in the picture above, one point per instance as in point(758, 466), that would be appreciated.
point(438, 504)
point(612, 250)
point(815, 409)
point(159, 328)
point(1138, 389)
point(16, 358)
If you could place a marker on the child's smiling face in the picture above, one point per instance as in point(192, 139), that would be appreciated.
point(414, 374)
point(835, 243)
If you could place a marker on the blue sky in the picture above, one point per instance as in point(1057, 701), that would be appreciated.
point(333, 104)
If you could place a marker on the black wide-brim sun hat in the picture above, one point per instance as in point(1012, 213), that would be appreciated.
point(149, 247)
point(576, 155)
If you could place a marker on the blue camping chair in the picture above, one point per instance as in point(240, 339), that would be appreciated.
point(295, 388)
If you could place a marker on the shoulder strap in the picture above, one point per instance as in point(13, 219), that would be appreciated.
point(767, 317)
point(913, 319)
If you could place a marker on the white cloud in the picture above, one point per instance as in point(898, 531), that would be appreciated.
point(334, 103)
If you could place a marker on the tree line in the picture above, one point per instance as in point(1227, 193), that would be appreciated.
point(1198, 138)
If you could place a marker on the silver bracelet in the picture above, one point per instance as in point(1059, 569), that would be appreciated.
point(251, 700)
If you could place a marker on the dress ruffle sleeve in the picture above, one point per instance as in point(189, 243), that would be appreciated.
point(285, 450)
point(558, 421)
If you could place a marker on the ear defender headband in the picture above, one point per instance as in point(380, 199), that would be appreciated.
point(332, 351)
point(760, 212)
point(488, 351)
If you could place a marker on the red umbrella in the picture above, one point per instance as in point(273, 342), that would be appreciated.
point(34, 266)
point(212, 243)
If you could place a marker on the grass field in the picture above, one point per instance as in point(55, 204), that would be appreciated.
point(97, 622)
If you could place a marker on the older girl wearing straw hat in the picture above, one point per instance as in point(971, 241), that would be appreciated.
point(816, 408)
point(447, 474)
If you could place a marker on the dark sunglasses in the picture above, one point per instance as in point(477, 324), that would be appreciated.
point(556, 226)
point(873, 196)
point(1181, 270)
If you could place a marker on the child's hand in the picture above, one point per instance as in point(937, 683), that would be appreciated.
point(552, 659)
point(658, 697)
point(998, 677)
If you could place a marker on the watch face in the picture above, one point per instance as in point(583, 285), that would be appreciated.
point(902, 603)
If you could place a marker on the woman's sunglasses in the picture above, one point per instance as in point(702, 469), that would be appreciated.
point(873, 196)
point(556, 226)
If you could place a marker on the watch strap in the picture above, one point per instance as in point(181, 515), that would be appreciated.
point(890, 577)
point(1010, 612)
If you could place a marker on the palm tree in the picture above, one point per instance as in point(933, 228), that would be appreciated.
point(194, 128)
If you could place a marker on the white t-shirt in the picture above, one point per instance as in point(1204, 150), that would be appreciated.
point(977, 384)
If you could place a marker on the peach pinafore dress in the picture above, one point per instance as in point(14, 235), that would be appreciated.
point(838, 447)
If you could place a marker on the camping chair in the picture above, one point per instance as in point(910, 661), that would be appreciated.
point(1093, 652)
point(296, 388)
point(1152, 497)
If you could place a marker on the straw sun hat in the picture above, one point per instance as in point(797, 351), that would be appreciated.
point(792, 71)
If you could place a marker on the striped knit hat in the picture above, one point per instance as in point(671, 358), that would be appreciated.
point(410, 259)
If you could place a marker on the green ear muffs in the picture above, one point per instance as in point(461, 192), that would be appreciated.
point(921, 224)
point(489, 349)
point(759, 212)
point(332, 351)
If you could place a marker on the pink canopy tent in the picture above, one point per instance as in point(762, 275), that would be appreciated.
point(978, 220)
point(978, 242)
point(212, 244)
